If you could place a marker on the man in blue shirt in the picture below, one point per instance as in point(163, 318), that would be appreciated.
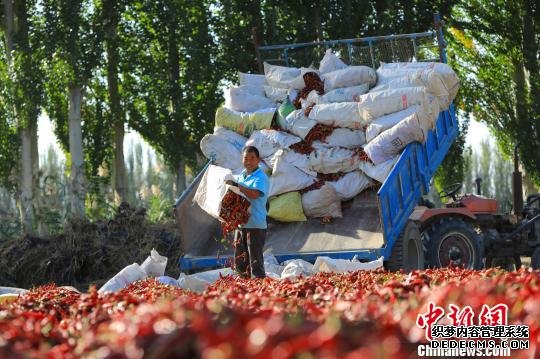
point(249, 240)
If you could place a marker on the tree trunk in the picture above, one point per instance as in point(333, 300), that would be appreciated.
point(111, 44)
point(10, 28)
point(181, 177)
point(76, 151)
point(27, 213)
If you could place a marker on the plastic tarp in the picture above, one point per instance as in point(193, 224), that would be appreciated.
point(221, 152)
point(269, 141)
point(327, 264)
point(330, 62)
point(244, 123)
point(341, 114)
point(345, 94)
point(349, 76)
point(322, 202)
point(348, 186)
point(287, 178)
point(247, 99)
point(287, 207)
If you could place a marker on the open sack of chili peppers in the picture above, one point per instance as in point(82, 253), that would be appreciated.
point(327, 134)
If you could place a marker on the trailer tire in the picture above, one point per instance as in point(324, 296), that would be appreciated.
point(535, 258)
point(453, 241)
point(407, 253)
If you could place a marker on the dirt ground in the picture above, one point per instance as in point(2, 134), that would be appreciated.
point(88, 253)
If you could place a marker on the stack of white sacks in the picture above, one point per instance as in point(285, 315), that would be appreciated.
point(378, 111)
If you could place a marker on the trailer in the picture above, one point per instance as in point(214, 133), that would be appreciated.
point(377, 222)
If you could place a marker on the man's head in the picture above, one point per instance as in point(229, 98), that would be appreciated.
point(250, 158)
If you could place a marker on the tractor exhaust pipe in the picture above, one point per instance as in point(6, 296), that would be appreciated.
point(517, 184)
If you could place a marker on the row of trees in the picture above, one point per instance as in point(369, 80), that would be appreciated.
point(156, 66)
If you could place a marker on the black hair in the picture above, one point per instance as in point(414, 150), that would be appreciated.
point(251, 149)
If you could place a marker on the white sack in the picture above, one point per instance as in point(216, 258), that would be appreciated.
point(244, 123)
point(298, 82)
point(272, 267)
point(240, 99)
point(269, 141)
point(297, 123)
point(342, 114)
point(378, 172)
point(287, 178)
point(237, 140)
point(298, 160)
point(168, 280)
point(390, 143)
point(221, 152)
point(330, 62)
point(333, 160)
point(349, 76)
point(122, 279)
point(380, 103)
point(276, 94)
point(154, 265)
point(327, 264)
point(212, 188)
point(346, 138)
point(351, 184)
point(345, 94)
point(322, 202)
point(252, 79)
point(387, 121)
point(198, 282)
point(280, 76)
point(296, 267)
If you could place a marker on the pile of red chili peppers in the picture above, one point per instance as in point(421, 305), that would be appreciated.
point(234, 211)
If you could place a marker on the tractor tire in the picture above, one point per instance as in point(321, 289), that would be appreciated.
point(509, 264)
point(535, 259)
point(407, 253)
point(453, 242)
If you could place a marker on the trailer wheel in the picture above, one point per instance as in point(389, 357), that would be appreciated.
point(535, 259)
point(453, 242)
point(407, 253)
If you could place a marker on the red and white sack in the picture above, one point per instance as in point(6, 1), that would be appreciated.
point(351, 184)
point(243, 100)
point(269, 141)
point(276, 94)
point(237, 140)
point(346, 138)
point(221, 152)
point(287, 178)
point(376, 104)
point(280, 76)
point(378, 172)
point(297, 123)
point(345, 94)
point(322, 202)
point(349, 76)
point(390, 143)
point(342, 114)
point(332, 160)
point(298, 160)
point(385, 122)
point(330, 62)
point(252, 79)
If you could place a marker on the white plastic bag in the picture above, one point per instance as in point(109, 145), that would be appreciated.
point(272, 267)
point(221, 152)
point(280, 76)
point(322, 202)
point(345, 94)
point(122, 279)
point(287, 178)
point(168, 280)
point(349, 76)
point(198, 282)
point(330, 62)
point(346, 138)
point(154, 265)
point(327, 264)
point(351, 184)
point(387, 121)
point(378, 172)
point(237, 140)
point(342, 114)
point(298, 82)
point(298, 160)
point(296, 267)
point(390, 143)
point(376, 104)
point(276, 94)
point(252, 79)
point(332, 160)
point(241, 99)
point(212, 188)
point(269, 141)
point(296, 122)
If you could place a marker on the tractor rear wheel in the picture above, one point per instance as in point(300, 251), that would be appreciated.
point(407, 253)
point(453, 242)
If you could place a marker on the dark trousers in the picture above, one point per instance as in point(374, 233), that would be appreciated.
point(248, 252)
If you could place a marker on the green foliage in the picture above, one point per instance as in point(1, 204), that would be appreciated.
point(159, 208)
